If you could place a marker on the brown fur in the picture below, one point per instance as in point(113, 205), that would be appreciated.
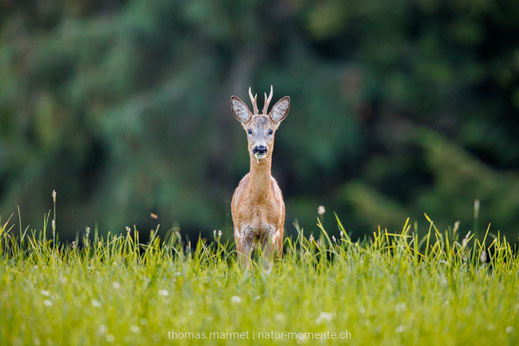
point(258, 210)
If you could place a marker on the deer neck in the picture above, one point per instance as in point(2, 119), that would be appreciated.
point(259, 187)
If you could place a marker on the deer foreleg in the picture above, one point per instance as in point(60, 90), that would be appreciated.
point(277, 243)
point(243, 248)
point(272, 248)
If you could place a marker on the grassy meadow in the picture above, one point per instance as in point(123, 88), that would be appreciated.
point(414, 286)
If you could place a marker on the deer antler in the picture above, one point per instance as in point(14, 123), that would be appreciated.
point(254, 101)
point(267, 100)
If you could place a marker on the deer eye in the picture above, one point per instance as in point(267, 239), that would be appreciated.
point(249, 131)
point(271, 132)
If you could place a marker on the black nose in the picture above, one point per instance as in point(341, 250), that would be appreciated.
point(260, 149)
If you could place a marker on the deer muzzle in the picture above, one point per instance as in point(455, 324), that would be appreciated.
point(259, 151)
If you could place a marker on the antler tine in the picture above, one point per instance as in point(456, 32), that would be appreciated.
point(254, 101)
point(267, 100)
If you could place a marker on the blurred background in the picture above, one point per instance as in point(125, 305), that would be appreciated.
point(397, 108)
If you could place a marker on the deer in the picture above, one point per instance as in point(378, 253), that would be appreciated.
point(257, 206)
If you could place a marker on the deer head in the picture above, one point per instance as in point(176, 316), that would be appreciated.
point(260, 127)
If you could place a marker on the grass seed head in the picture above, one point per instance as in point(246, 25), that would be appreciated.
point(456, 227)
point(483, 257)
point(476, 208)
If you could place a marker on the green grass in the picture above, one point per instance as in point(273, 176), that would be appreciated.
point(390, 288)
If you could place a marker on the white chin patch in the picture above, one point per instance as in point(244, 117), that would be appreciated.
point(260, 156)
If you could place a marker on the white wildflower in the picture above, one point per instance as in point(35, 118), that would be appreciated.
point(279, 317)
point(116, 285)
point(323, 317)
point(47, 302)
point(96, 303)
point(109, 338)
point(301, 339)
point(235, 300)
point(400, 329)
point(321, 210)
point(135, 329)
point(400, 307)
point(163, 293)
point(45, 293)
point(509, 329)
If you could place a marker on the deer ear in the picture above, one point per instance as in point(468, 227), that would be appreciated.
point(240, 110)
point(280, 110)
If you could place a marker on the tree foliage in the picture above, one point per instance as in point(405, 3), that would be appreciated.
point(397, 108)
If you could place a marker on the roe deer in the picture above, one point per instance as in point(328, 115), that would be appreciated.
point(257, 207)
